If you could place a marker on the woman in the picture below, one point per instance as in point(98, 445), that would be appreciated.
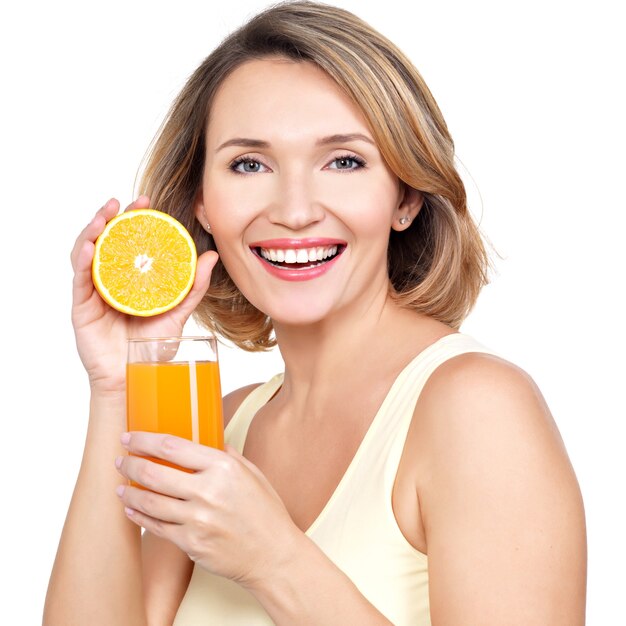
point(398, 472)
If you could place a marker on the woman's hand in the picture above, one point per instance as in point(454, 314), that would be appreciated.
point(226, 516)
point(101, 331)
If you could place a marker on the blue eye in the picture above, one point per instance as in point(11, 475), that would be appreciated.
point(244, 165)
point(346, 163)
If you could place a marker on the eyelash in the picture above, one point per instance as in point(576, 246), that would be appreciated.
point(350, 157)
point(242, 159)
point(344, 157)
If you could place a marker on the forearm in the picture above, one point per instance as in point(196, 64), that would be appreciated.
point(310, 590)
point(96, 577)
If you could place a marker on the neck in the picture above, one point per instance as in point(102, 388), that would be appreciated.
point(346, 345)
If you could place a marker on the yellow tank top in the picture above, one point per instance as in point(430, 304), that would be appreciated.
point(357, 528)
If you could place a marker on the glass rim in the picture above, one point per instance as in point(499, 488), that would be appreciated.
point(172, 339)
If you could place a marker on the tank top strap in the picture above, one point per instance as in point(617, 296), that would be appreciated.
point(398, 405)
point(408, 387)
point(237, 429)
point(414, 376)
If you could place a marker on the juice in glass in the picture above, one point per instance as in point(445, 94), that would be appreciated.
point(169, 391)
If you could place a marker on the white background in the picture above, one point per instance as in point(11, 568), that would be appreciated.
point(533, 94)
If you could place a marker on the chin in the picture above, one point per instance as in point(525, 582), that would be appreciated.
point(299, 315)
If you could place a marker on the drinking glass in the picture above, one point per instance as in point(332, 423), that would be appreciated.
point(173, 387)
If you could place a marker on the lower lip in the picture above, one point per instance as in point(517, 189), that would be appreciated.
point(298, 275)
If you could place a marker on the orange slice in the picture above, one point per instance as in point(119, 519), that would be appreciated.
point(144, 262)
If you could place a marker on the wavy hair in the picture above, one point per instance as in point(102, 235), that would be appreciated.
point(437, 266)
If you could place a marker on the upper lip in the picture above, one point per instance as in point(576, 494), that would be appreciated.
point(295, 244)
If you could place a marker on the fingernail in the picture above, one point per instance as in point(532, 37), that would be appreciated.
point(128, 511)
point(118, 462)
point(125, 439)
point(120, 490)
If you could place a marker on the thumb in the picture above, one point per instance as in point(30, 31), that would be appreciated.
point(202, 280)
point(204, 269)
point(256, 472)
point(242, 459)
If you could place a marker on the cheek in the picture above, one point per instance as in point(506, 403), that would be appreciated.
point(371, 211)
point(228, 210)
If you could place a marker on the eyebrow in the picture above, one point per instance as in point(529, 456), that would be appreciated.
point(245, 142)
point(344, 139)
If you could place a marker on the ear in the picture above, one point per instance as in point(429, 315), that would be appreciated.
point(200, 213)
point(409, 205)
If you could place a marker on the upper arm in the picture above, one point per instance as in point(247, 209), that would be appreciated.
point(500, 503)
point(167, 569)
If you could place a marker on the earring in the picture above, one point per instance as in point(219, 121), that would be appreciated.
point(208, 227)
point(404, 220)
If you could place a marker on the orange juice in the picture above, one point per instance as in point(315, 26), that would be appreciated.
point(177, 398)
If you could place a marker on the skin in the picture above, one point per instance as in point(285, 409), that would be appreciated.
point(484, 486)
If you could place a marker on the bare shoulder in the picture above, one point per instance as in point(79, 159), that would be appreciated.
point(483, 418)
point(232, 401)
point(498, 499)
point(480, 395)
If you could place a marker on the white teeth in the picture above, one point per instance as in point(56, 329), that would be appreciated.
point(298, 255)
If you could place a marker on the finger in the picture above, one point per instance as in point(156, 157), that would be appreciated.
point(176, 450)
point(142, 202)
point(157, 527)
point(152, 504)
point(204, 269)
point(202, 280)
point(95, 227)
point(165, 480)
point(235, 454)
point(82, 254)
point(83, 284)
point(89, 234)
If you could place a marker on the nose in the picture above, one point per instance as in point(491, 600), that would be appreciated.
point(294, 204)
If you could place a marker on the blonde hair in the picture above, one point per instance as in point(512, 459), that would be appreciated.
point(437, 266)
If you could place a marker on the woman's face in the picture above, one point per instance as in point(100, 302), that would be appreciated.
point(298, 197)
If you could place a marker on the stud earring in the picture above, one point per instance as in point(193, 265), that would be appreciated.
point(404, 220)
point(208, 227)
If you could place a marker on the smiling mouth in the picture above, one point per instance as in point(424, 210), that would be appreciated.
point(299, 258)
